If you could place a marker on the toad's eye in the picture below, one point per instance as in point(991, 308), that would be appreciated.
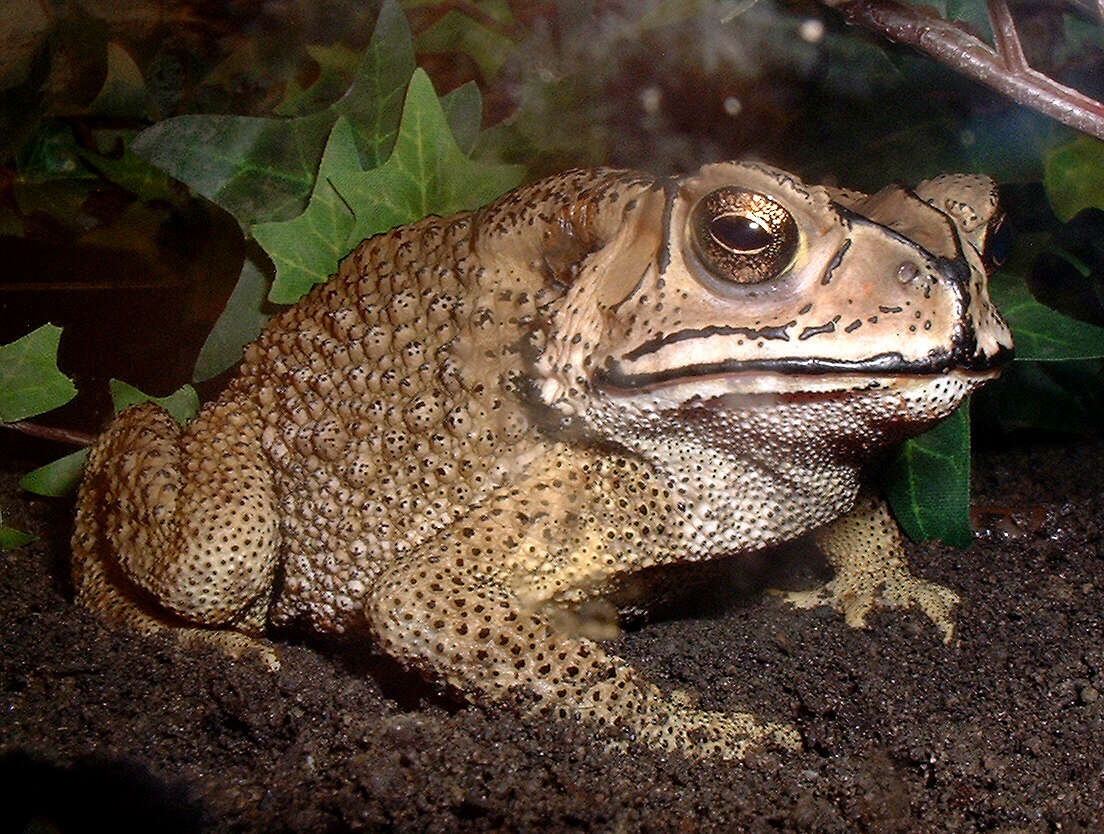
point(743, 236)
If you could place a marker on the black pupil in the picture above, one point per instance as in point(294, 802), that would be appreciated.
point(739, 234)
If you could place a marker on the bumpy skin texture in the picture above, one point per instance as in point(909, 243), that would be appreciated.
point(484, 422)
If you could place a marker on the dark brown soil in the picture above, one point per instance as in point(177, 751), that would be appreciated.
point(1000, 732)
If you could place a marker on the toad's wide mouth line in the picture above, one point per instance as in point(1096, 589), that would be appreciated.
point(613, 378)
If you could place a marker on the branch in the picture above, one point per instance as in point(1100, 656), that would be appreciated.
point(71, 436)
point(1004, 69)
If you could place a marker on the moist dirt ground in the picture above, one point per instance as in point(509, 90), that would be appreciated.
point(1003, 731)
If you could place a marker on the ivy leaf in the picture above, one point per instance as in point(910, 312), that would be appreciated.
point(242, 321)
point(1074, 177)
point(972, 12)
point(183, 403)
point(253, 167)
point(1053, 396)
point(50, 154)
point(337, 65)
point(427, 173)
point(1040, 333)
point(376, 103)
point(124, 92)
point(58, 478)
point(482, 36)
point(928, 482)
point(132, 173)
point(30, 382)
point(10, 538)
point(306, 250)
point(262, 169)
point(464, 111)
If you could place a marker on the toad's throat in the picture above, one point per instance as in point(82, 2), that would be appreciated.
point(614, 377)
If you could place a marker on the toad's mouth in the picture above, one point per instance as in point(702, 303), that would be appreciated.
point(808, 373)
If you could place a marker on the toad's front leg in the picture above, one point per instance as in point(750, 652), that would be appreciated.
point(865, 549)
point(179, 528)
point(476, 605)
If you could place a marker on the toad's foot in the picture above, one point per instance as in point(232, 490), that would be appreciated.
point(450, 609)
point(865, 549)
point(121, 605)
point(138, 613)
point(233, 643)
point(500, 652)
point(857, 595)
point(680, 728)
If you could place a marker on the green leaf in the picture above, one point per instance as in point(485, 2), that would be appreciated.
point(62, 200)
point(1054, 396)
point(973, 12)
point(242, 321)
point(183, 403)
point(427, 173)
point(374, 101)
point(460, 32)
point(1074, 177)
point(255, 168)
point(337, 65)
point(10, 538)
point(62, 476)
point(263, 169)
point(58, 478)
point(306, 250)
point(124, 92)
point(51, 154)
point(132, 173)
point(57, 174)
point(928, 482)
point(1040, 333)
point(30, 382)
point(464, 111)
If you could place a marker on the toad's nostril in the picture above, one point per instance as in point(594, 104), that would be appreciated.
point(907, 272)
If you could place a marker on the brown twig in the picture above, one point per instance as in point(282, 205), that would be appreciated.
point(1005, 68)
point(1007, 39)
point(71, 436)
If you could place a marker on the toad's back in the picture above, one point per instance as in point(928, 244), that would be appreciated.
point(395, 396)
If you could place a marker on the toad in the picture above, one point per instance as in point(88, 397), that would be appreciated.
point(482, 424)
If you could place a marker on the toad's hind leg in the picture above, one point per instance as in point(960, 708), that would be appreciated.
point(460, 607)
point(178, 528)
